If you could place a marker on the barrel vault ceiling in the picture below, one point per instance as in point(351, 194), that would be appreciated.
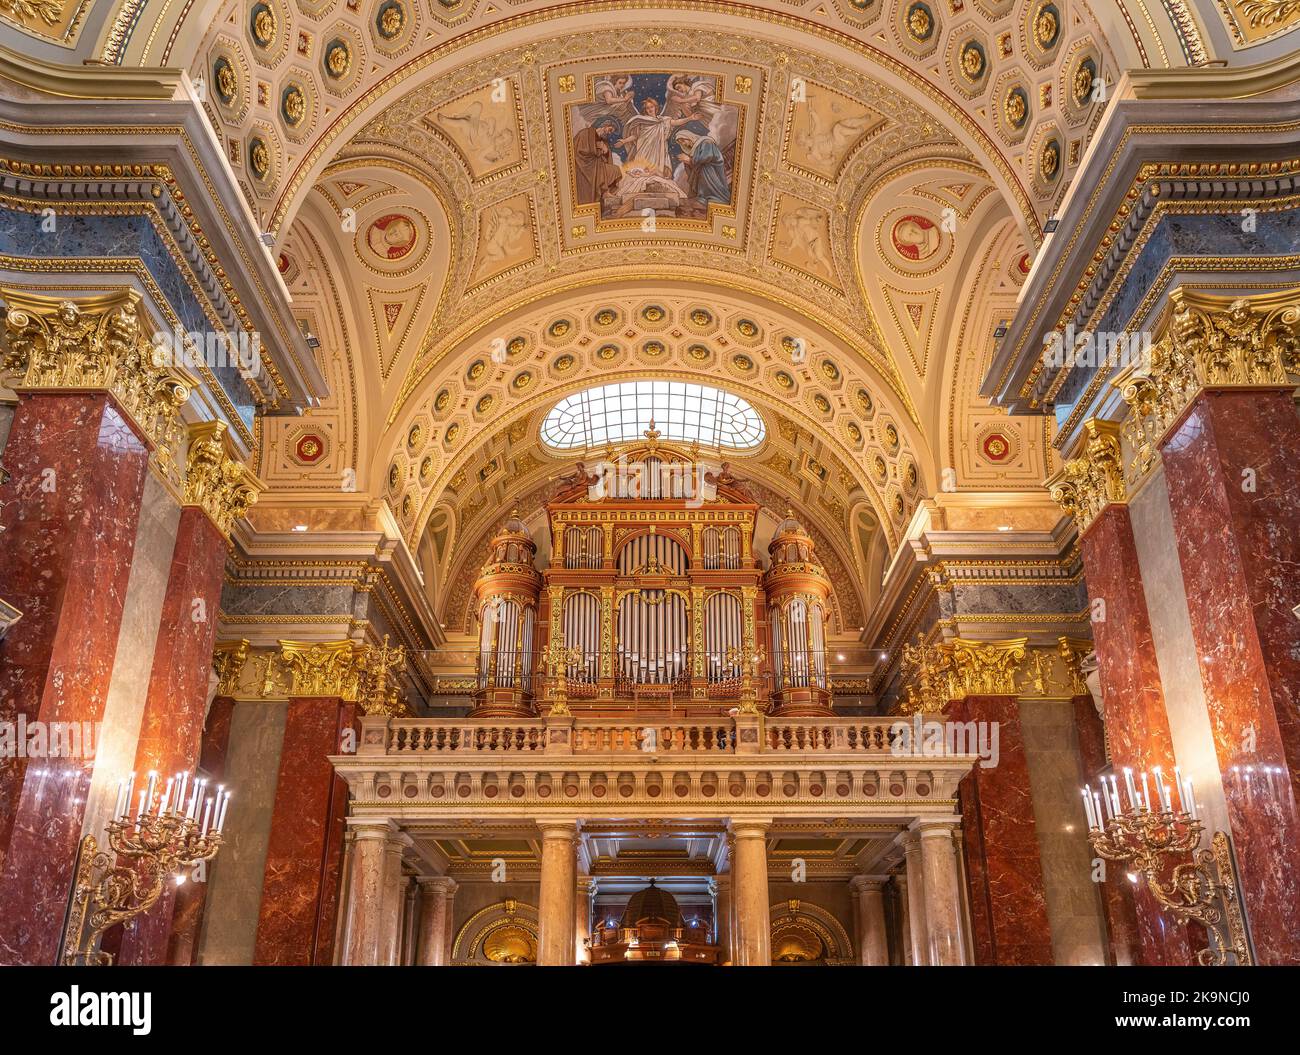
point(887, 169)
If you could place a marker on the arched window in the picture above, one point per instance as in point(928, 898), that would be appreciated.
point(684, 413)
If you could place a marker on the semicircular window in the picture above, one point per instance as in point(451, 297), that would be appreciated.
point(681, 412)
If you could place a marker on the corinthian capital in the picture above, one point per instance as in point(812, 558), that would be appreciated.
point(95, 344)
point(215, 482)
point(333, 668)
point(1095, 478)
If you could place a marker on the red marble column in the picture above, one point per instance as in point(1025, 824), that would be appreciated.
point(1116, 893)
point(304, 857)
point(172, 724)
point(69, 521)
point(1132, 694)
point(187, 915)
point(1234, 491)
point(1003, 864)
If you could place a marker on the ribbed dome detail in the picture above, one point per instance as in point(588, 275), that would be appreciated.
point(651, 903)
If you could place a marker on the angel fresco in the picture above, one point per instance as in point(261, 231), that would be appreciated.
point(654, 143)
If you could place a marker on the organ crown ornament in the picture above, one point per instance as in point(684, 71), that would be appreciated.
point(215, 482)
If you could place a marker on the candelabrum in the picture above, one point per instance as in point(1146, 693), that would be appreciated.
point(558, 660)
point(164, 834)
point(748, 665)
point(1163, 846)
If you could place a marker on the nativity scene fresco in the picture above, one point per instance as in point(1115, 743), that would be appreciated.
point(654, 144)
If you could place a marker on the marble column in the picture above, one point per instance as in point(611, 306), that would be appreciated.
point(918, 933)
point(1115, 890)
point(410, 922)
point(296, 921)
point(368, 880)
point(942, 893)
point(434, 908)
point(1008, 905)
point(187, 916)
point(1234, 492)
point(873, 944)
point(394, 897)
point(171, 727)
point(905, 920)
point(1132, 694)
point(555, 909)
point(720, 888)
point(69, 523)
point(753, 941)
point(585, 889)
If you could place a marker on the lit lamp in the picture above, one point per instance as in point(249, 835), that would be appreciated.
point(1201, 884)
point(153, 836)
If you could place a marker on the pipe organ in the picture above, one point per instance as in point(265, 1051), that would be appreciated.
point(653, 598)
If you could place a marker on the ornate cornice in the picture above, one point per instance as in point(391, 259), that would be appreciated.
point(97, 344)
point(1087, 484)
point(1208, 342)
point(215, 482)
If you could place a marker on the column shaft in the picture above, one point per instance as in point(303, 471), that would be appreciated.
point(873, 943)
point(69, 522)
point(753, 941)
point(304, 853)
point(555, 908)
point(942, 895)
point(918, 931)
point(363, 930)
point(1234, 492)
point(432, 948)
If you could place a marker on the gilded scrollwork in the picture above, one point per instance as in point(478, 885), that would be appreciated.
point(214, 481)
point(1094, 479)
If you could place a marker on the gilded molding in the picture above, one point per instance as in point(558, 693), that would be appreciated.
point(323, 668)
point(1087, 484)
point(215, 482)
point(92, 345)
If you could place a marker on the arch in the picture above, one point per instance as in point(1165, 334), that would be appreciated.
point(507, 922)
point(794, 915)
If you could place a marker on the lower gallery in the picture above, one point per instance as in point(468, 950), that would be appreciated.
point(808, 482)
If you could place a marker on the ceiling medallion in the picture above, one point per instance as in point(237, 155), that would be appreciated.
point(698, 352)
point(484, 405)
point(784, 380)
point(394, 475)
point(746, 328)
point(996, 447)
point(223, 76)
point(338, 58)
point(1015, 108)
point(414, 436)
point(261, 24)
point(865, 402)
point(920, 22)
point(293, 105)
point(1047, 26)
point(654, 349)
point(564, 364)
point(823, 404)
point(701, 318)
point(742, 362)
point(310, 447)
point(452, 432)
point(476, 370)
point(831, 371)
point(606, 317)
point(855, 433)
point(652, 313)
point(426, 469)
point(259, 158)
point(516, 345)
point(390, 19)
point(1082, 83)
point(441, 401)
point(973, 62)
point(522, 381)
point(891, 437)
point(606, 352)
point(559, 328)
point(1049, 160)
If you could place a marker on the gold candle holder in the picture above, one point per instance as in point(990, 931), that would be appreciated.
point(165, 835)
point(1163, 846)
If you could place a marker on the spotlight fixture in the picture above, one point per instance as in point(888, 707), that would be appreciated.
point(1001, 330)
point(268, 239)
point(1051, 224)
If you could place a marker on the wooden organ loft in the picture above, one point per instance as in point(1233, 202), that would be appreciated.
point(653, 601)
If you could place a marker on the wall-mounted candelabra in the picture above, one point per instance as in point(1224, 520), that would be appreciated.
point(1163, 846)
point(152, 838)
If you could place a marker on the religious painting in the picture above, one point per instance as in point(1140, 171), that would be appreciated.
point(915, 237)
point(657, 145)
point(391, 237)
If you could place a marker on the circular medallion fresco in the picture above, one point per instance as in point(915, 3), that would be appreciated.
point(914, 237)
point(996, 447)
point(391, 237)
point(309, 447)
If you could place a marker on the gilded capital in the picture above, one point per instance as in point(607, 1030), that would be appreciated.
point(95, 344)
point(215, 482)
point(379, 692)
point(987, 668)
point(228, 659)
point(1094, 479)
point(333, 668)
point(1212, 343)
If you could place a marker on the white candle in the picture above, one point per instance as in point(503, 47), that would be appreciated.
point(1130, 788)
point(1178, 783)
point(130, 795)
point(139, 813)
point(1087, 808)
point(1162, 792)
point(117, 804)
point(1096, 806)
point(207, 810)
point(181, 780)
point(1146, 793)
point(221, 817)
point(1114, 795)
point(1189, 798)
point(153, 783)
point(167, 795)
